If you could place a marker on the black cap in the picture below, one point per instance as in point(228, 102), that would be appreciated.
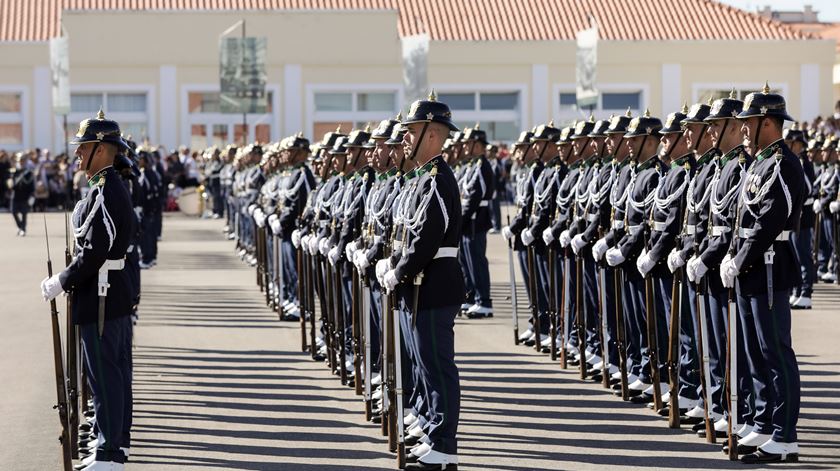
point(566, 135)
point(725, 108)
point(545, 132)
point(397, 135)
point(583, 128)
point(386, 128)
point(642, 125)
point(524, 138)
point(765, 104)
point(340, 146)
point(358, 138)
point(99, 129)
point(673, 123)
point(430, 111)
point(475, 134)
point(600, 128)
point(618, 124)
point(794, 133)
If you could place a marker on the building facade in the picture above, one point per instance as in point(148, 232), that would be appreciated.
point(156, 69)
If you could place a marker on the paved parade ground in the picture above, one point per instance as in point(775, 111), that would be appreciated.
point(220, 383)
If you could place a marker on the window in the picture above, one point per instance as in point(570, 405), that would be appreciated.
point(208, 126)
point(11, 120)
point(498, 113)
point(621, 101)
point(130, 109)
point(350, 109)
point(209, 102)
point(568, 101)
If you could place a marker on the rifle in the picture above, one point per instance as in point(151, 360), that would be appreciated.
point(552, 303)
point(732, 375)
point(266, 281)
point(580, 315)
point(674, 351)
point(705, 373)
point(300, 294)
point(327, 310)
point(366, 333)
point(564, 297)
point(308, 302)
point(398, 386)
point(653, 345)
point(258, 252)
point(58, 362)
point(512, 278)
point(339, 324)
point(619, 333)
point(532, 287)
point(815, 254)
point(605, 347)
point(72, 360)
point(387, 366)
point(356, 341)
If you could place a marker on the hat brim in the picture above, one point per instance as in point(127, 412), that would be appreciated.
point(446, 123)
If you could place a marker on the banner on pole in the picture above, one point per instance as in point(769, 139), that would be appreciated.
point(587, 60)
point(242, 75)
point(60, 72)
point(415, 53)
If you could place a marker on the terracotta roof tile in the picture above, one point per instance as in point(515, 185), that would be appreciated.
point(459, 20)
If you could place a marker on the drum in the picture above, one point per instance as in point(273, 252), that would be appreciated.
point(189, 202)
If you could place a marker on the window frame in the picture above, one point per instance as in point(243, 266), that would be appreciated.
point(229, 119)
point(565, 115)
point(313, 116)
point(149, 116)
point(21, 117)
point(519, 116)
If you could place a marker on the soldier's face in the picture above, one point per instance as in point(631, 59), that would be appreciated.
point(579, 146)
point(612, 143)
point(749, 128)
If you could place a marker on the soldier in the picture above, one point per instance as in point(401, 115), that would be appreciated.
point(213, 178)
point(22, 184)
point(476, 194)
point(152, 187)
point(667, 223)
point(531, 168)
point(103, 224)
point(828, 184)
point(642, 139)
point(757, 266)
point(803, 240)
point(226, 176)
point(425, 276)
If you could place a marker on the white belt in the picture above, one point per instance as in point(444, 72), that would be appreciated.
point(109, 265)
point(130, 249)
point(323, 223)
point(745, 233)
point(398, 245)
point(484, 203)
point(659, 226)
point(447, 252)
point(809, 201)
point(592, 217)
point(618, 225)
point(690, 229)
point(376, 239)
point(634, 229)
point(720, 230)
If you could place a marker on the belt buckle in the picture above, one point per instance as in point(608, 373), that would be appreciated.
point(768, 257)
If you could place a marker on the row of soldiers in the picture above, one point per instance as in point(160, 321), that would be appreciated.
point(371, 230)
point(640, 243)
point(658, 258)
point(111, 235)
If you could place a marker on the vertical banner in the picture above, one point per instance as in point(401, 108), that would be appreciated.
point(587, 60)
point(60, 72)
point(242, 75)
point(415, 52)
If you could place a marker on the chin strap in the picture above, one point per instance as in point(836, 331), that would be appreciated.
point(416, 147)
point(674, 146)
point(722, 133)
point(92, 153)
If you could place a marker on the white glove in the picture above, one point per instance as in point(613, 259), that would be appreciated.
point(548, 236)
point(645, 263)
point(728, 272)
point(817, 208)
point(614, 257)
point(138, 211)
point(565, 239)
point(382, 267)
point(527, 237)
point(313, 245)
point(333, 255)
point(324, 246)
point(389, 281)
point(506, 233)
point(697, 268)
point(834, 206)
point(251, 209)
point(349, 249)
point(361, 261)
point(51, 287)
point(274, 222)
point(296, 238)
point(675, 260)
point(578, 243)
point(599, 249)
point(259, 217)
